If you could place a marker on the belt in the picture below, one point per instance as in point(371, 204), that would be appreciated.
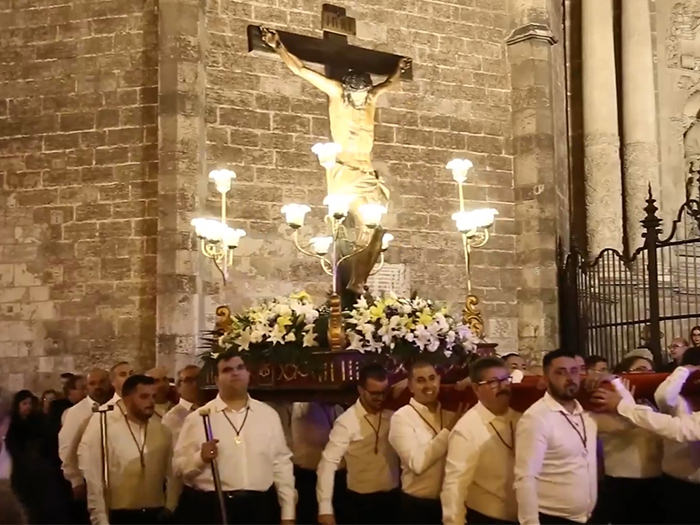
point(142, 509)
point(231, 494)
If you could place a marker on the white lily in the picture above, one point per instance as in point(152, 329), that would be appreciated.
point(244, 340)
point(309, 339)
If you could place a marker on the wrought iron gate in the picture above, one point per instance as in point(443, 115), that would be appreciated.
point(613, 304)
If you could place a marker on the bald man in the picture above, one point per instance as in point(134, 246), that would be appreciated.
point(162, 384)
point(99, 392)
point(117, 375)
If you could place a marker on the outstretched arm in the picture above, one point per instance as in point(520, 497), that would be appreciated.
point(329, 86)
point(403, 65)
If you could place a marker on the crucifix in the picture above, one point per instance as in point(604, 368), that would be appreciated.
point(352, 98)
point(333, 50)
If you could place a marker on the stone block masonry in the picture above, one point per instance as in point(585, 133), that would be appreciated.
point(78, 165)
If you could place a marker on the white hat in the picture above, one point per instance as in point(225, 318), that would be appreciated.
point(644, 353)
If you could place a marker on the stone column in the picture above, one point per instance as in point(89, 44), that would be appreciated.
point(539, 165)
point(600, 128)
point(181, 178)
point(639, 132)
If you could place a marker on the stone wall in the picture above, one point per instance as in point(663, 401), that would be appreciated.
point(262, 121)
point(112, 114)
point(78, 162)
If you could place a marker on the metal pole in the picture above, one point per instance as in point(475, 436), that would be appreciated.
point(104, 449)
point(652, 226)
point(204, 412)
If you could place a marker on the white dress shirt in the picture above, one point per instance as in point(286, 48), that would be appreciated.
point(681, 429)
point(259, 458)
point(628, 451)
point(371, 462)
point(418, 437)
point(175, 417)
point(680, 460)
point(479, 468)
point(556, 469)
point(74, 423)
point(161, 409)
point(311, 424)
point(132, 485)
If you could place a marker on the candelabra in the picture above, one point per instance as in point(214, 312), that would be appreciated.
point(474, 226)
point(217, 239)
point(327, 248)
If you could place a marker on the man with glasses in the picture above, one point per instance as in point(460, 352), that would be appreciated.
point(676, 350)
point(481, 452)
point(188, 390)
point(556, 470)
point(360, 435)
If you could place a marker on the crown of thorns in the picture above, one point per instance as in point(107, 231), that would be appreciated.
point(356, 81)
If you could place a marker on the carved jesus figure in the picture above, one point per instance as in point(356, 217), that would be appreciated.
point(351, 108)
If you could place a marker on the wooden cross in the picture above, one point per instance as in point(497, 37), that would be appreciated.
point(333, 50)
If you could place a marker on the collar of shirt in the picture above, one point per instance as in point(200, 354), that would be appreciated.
point(115, 399)
point(360, 409)
point(221, 406)
point(487, 416)
point(555, 406)
point(187, 405)
point(424, 411)
point(423, 408)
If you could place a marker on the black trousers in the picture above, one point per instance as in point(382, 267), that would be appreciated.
point(242, 507)
point(547, 519)
point(420, 511)
point(629, 500)
point(474, 517)
point(680, 500)
point(79, 512)
point(135, 516)
point(374, 508)
point(307, 505)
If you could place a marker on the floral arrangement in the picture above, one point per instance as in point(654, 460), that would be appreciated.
point(406, 327)
point(288, 330)
point(277, 330)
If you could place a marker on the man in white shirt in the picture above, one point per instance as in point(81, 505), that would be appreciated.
point(556, 471)
point(139, 454)
point(679, 495)
point(418, 433)
point(249, 448)
point(481, 452)
point(360, 435)
point(632, 464)
point(119, 373)
point(188, 390)
point(163, 404)
point(99, 392)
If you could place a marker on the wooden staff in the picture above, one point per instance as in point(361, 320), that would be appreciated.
point(204, 412)
point(104, 449)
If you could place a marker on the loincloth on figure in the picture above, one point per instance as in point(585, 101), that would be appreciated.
point(364, 183)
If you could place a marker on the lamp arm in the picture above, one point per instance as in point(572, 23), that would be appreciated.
point(483, 238)
point(303, 250)
point(221, 270)
point(380, 265)
point(352, 254)
point(327, 266)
